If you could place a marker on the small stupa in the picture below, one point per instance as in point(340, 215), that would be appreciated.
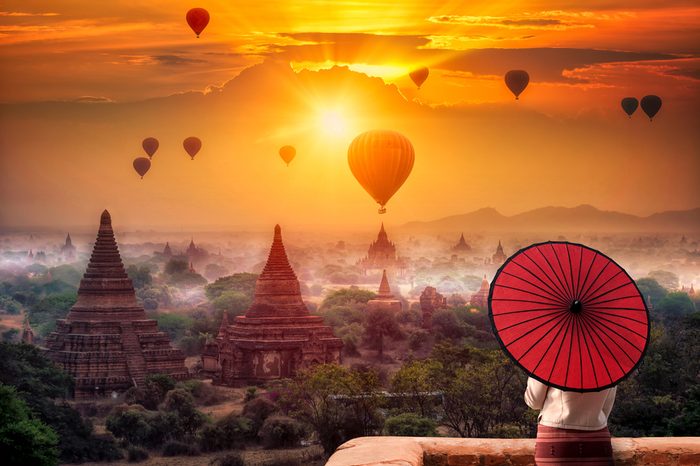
point(106, 342)
point(385, 299)
point(481, 297)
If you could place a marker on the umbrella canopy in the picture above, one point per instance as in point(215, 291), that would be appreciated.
point(569, 316)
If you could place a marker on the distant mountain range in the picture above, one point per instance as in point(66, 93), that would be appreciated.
point(583, 218)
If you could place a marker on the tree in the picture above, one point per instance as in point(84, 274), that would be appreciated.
point(241, 282)
point(668, 280)
point(415, 381)
point(446, 324)
point(676, 304)
point(652, 292)
point(234, 303)
point(181, 402)
point(380, 323)
point(410, 425)
point(347, 297)
point(140, 276)
point(23, 438)
point(46, 311)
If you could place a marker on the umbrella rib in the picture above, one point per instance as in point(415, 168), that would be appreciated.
point(604, 329)
point(578, 274)
point(605, 345)
point(585, 293)
point(616, 308)
point(528, 292)
point(602, 285)
point(559, 290)
point(613, 300)
point(551, 342)
point(553, 296)
point(574, 324)
point(518, 300)
point(568, 324)
point(595, 345)
point(533, 329)
point(588, 272)
point(599, 318)
point(561, 319)
point(592, 299)
point(563, 288)
point(563, 274)
point(554, 292)
point(528, 320)
point(526, 310)
point(571, 271)
point(621, 317)
point(590, 357)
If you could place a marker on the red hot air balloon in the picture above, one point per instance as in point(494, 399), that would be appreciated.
point(192, 146)
point(287, 153)
point(150, 146)
point(197, 18)
point(142, 165)
point(381, 161)
point(419, 75)
point(517, 81)
point(651, 104)
point(629, 105)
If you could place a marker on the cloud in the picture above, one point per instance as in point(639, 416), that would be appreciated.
point(542, 20)
point(89, 99)
point(25, 14)
point(174, 60)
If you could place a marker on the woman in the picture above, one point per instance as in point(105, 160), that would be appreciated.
point(573, 426)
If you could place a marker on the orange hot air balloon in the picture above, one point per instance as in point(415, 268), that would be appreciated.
point(142, 165)
point(150, 146)
point(517, 81)
point(287, 153)
point(381, 161)
point(192, 146)
point(197, 18)
point(419, 75)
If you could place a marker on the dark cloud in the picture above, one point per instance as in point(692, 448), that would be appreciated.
point(174, 60)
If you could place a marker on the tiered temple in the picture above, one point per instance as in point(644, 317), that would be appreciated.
point(68, 250)
point(462, 245)
point(277, 336)
point(499, 257)
point(106, 342)
point(384, 300)
point(381, 254)
point(430, 301)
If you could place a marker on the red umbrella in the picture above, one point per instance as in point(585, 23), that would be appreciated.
point(569, 316)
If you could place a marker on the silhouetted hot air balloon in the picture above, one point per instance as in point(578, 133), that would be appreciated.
point(629, 105)
point(192, 146)
point(517, 81)
point(651, 104)
point(287, 153)
point(381, 161)
point(419, 75)
point(197, 18)
point(142, 165)
point(150, 146)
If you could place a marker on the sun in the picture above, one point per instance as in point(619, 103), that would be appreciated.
point(332, 122)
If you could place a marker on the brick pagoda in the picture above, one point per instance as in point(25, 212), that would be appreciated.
point(384, 299)
point(277, 336)
point(106, 342)
point(381, 254)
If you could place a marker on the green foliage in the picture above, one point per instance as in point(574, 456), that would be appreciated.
point(666, 279)
point(44, 313)
point(241, 282)
point(9, 305)
point(347, 297)
point(417, 339)
point(652, 292)
point(234, 303)
point(351, 335)
point(416, 380)
point(378, 324)
point(181, 402)
point(675, 304)
point(140, 276)
point(410, 425)
point(339, 316)
point(177, 448)
point(10, 335)
point(447, 325)
point(175, 325)
point(24, 439)
point(177, 272)
point(230, 432)
point(134, 424)
point(136, 454)
point(258, 409)
point(281, 432)
point(66, 274)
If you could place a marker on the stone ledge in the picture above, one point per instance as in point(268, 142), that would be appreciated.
point(431, 451)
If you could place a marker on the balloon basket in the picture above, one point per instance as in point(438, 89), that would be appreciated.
point(382, 210)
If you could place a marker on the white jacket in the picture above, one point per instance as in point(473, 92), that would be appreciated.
point(570, 410)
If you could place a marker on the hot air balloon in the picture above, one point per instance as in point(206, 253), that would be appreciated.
point(629, 105)
point(517, 81)
point(150, 146)
point(142, 165)
point(197, 18)
point(651, 104)
point(381, 161)
point(192, 146)
point(287, 153)
point(419, 75)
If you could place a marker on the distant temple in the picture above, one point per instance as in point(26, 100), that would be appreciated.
point(430, 301)
point(195, 254)
point(167, 252)
point(27, 332)
point(499, 257)
point(462, 245)
point(384, 300)
point(30, 255)
point(381, 254)
point(481, 297)
point(68, 250)
point(277, 336)
point(106, 342)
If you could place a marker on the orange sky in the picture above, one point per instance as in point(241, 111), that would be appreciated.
point(565, 143)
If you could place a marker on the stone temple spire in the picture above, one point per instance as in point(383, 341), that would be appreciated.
point(384, 289)
point(106, 291)
point(277, 292)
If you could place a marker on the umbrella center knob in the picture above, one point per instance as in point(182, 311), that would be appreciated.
point(576, 307)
